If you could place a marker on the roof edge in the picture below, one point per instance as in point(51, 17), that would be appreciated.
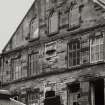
point(18, 25)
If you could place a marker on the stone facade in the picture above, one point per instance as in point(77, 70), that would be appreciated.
point(58, 46)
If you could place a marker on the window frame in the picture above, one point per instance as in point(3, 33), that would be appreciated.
point(50, 47)
point(78, 50)
point(85, 48)
point(32, 37)
point(51, 16)
point(7, 70)
point(97, 37)
point(14, 70)
point(23, 97)
point(73, 6)
point(33, 71)
point(31, 95)
point(50, 4)
point(71, 94)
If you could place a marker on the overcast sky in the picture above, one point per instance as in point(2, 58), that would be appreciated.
point(11, 14)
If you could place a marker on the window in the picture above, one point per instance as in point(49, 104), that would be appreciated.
point(74, 52)
point(34, 29)
point(42, 12)
point(33, 98)
point(73, 94)
point(24, 65)
point(19, 69)
point(7, 70)
point(16, 68)
point(50, 51)
point(23, 98)
point(74, 16)
point(47, 4)
point(53, 23)
point(85, 49)
point(34, 64)
point(50, 4)
point(63, 18)
point(96, 48)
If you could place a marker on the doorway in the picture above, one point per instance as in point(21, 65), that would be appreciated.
point(73, 93)
point(51, 98)
point(97, 92)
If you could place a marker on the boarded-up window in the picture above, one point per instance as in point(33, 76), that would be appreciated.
point(50, 51)
point(34, 29)
point(42, 11)
point(47, 4)
point(74, 17)
point(50, 4)
point(63, 18)
point(53, 23)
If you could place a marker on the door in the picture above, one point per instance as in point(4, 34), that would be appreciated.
point(97, 92)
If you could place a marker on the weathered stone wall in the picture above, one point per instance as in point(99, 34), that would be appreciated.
point(90, 14)
point(56, 72)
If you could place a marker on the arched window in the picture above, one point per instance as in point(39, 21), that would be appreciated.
point(53, 23)
point(34, 28)
point(50, 4)
point(74, 15)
